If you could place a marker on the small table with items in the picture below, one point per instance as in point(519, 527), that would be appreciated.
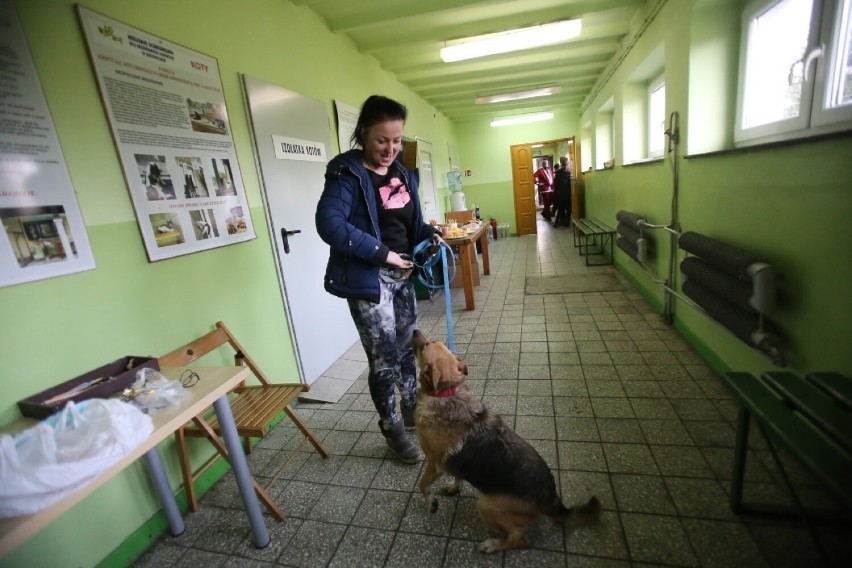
point(467, 255)
point(212, 388)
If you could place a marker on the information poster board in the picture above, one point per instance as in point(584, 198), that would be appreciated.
point(347, 119)
point(43, 231)
point(166, 108)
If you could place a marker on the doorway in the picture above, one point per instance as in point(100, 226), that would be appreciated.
point(525, 159)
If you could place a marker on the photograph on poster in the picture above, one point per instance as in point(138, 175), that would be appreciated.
point(207, 117)
point(155, 177)
point(194, 184)
point(38, 235)
point(223, 179)
point(167, 229)
point(236, 221)
point(203, 224)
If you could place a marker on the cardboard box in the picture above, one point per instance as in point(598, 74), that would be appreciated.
point(118, 376)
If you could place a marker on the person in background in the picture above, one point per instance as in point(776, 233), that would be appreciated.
point(562, 194)
point(369, 214)
point(543, 178)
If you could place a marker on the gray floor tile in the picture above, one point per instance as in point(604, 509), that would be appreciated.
point(617, 403)
point(642, 494)
point(658, 539)
point(360, 543)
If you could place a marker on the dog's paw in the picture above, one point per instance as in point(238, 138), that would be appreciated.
point(488, 546)
point(451, 489)
point(433, 506)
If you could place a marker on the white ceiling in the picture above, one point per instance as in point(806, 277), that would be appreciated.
point(405, 36)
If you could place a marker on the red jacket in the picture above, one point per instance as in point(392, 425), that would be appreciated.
point(544, 179)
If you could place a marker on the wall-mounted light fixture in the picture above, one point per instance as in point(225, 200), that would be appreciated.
point(521, 118)
point(518, 95)
point(514, 40)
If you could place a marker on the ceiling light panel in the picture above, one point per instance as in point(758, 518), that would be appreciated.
point(521, 118)
point(518, 95)
point(515, 40)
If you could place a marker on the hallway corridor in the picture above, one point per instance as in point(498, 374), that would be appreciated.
point(618, 404)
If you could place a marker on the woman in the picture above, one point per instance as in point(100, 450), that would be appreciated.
point(369, 213)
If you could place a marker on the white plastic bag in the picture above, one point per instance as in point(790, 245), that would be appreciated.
point(152, 392)
point(62, 453)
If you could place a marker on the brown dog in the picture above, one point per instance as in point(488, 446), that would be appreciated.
point(464, 439)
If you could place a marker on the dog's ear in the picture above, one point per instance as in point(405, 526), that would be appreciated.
point(462, 366)
point(436, 378)
point(425, 377)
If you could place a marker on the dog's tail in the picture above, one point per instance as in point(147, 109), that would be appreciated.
point(586, 514)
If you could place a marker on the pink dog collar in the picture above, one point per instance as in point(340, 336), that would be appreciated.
point(446, 393)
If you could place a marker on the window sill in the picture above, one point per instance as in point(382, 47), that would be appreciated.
point(772, 145)
point(645, 161)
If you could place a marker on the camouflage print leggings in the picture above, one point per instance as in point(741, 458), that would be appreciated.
point(385, 329)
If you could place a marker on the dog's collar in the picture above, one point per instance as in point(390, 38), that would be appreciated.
point(447, 392)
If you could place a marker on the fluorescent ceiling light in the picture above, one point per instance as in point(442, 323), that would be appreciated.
point(543, 92)
point(521, 118)
point(537, 145)
point(524, 38)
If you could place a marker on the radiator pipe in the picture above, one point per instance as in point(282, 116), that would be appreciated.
point(733, 260)
point(751, 329)
point(630, 219)
point(673, 140)
point(721, 283)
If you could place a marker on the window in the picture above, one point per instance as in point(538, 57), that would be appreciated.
point(656, 117)
point(604, 136)
point(643, 109)
point(795, 74)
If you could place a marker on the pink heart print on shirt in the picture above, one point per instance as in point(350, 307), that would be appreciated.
point(394, 195)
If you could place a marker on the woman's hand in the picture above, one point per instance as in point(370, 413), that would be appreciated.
point(437, 239)
point(397, 261)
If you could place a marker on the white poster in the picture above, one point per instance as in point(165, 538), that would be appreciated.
point(166, 108)
point(43, 232)
point(347, 118)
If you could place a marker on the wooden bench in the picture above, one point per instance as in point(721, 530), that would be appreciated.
point(592, 237)
point(811, 418)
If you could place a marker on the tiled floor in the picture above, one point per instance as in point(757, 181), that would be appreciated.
point(618, 404)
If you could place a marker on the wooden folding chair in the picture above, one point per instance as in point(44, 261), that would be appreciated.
point(254, 408)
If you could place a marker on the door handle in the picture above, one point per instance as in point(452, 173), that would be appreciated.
point(284, 234)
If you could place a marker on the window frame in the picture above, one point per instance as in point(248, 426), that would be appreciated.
point(813, 118)
point(835, 14)
point(655, 85)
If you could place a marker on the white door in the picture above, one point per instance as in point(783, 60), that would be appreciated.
point(292, 141)
point(428, 194)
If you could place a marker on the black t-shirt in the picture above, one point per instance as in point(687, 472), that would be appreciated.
point(396, 210)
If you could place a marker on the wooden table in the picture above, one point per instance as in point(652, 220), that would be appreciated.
point(467, 256)
point(212, 389)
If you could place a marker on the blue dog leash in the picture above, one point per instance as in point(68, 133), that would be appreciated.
point(426, 255)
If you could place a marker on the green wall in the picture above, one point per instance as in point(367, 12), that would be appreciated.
point(484, 150)
point(55, 329)
point(791, 203)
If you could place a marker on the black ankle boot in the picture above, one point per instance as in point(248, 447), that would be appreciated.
point(399, 443)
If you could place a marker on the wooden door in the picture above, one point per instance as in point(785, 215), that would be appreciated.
point(523, 189)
